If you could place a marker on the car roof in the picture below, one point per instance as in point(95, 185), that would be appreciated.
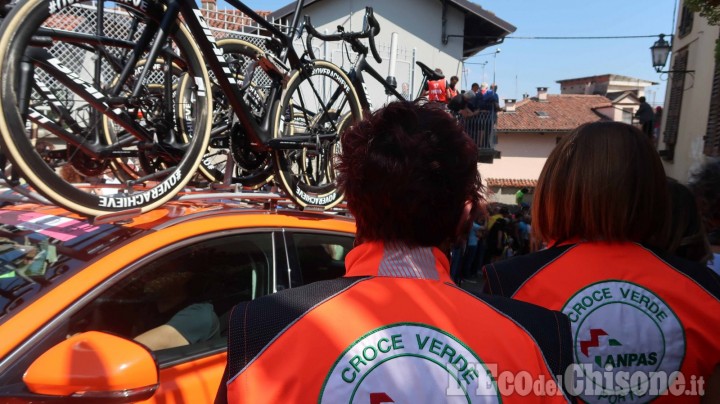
point(88, 237)
point(186, 206)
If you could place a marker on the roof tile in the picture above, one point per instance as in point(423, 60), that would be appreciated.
point(511, 182)
point(565, 112)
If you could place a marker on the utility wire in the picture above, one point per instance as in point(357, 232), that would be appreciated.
point(558, 37)
point(583, 37)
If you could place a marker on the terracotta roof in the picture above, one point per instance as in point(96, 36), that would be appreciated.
point(560, 113)
point(230, 19)
point(227, 19)
point(511, 182)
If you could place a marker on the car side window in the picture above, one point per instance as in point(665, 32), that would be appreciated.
point(183, 298)
point(320, 256)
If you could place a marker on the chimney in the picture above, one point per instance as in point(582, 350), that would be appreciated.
point(542, 93)
point(526, 96)
point(210, 5)
point(509, 104)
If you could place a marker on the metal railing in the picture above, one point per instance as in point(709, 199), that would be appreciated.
point(481, 128)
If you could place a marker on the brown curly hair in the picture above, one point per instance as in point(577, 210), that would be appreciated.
point(407, 172)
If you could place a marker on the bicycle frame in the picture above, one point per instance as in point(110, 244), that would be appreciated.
point(259, 134)
point(358, 80)
point(114, 106)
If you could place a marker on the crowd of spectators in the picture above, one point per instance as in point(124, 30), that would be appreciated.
point(503, 232)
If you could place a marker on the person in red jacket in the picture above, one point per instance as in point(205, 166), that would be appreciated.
point(436, 90)
point(396, 328)
point(645, 323)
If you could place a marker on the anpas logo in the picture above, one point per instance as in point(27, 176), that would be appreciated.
point(409, 363)
point(615, 360)
point(623, 327)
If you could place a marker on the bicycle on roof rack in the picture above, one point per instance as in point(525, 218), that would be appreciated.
point(361, 66)
point(120, 91)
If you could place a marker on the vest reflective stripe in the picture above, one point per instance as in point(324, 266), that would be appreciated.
point(297, 365)
point(436, 90)
point(591, 276)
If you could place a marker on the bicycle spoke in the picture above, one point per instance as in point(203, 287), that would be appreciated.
point(311, 118)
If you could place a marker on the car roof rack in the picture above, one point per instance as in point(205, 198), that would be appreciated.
point(267, 200)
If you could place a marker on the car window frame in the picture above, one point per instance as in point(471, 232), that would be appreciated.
point(296, 276)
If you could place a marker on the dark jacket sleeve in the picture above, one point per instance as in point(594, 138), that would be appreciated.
point(221, 396)
point(550, 329)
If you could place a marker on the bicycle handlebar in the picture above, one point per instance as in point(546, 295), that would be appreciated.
point(372, 29)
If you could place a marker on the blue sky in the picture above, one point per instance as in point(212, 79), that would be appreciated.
point(525, 64)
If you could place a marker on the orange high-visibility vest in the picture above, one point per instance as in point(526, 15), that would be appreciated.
point(395, 329)
point(631, 310)
point(436, 90)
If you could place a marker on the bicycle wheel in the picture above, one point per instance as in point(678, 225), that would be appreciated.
point(318, 104)
point(59, 69)
point(251, 169)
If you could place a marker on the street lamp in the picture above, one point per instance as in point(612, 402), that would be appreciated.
point(660, 52)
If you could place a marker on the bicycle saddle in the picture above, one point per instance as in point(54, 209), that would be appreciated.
point(429, 73)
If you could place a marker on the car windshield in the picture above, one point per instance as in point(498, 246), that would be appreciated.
point(37, 250)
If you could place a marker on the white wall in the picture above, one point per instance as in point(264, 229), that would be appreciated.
point(419, 28)
point(523, 155)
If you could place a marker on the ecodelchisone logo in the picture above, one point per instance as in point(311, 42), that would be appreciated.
point(623, 327)
point(409, 363)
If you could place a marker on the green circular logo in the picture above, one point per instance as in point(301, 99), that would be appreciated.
point(409, 363)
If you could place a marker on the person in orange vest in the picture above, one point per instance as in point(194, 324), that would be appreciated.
point(451, 90)
point(395, 328)
point(436, 90)
point(645, 323)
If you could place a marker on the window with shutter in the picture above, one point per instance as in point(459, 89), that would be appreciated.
point(677, 86)
point(712, 137)
point(686, 21)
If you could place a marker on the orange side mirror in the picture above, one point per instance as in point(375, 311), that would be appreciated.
point(95, 365)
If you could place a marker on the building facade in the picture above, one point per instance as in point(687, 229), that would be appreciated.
point(440, 34)
point(623, 92)
point(690, 130)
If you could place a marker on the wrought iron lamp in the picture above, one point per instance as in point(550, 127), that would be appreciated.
point(660, 52)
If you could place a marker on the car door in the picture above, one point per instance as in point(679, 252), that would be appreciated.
point(197, 279)
point(227, 270)
point(192, 284)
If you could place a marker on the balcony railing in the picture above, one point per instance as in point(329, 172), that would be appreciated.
point(481, 128)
